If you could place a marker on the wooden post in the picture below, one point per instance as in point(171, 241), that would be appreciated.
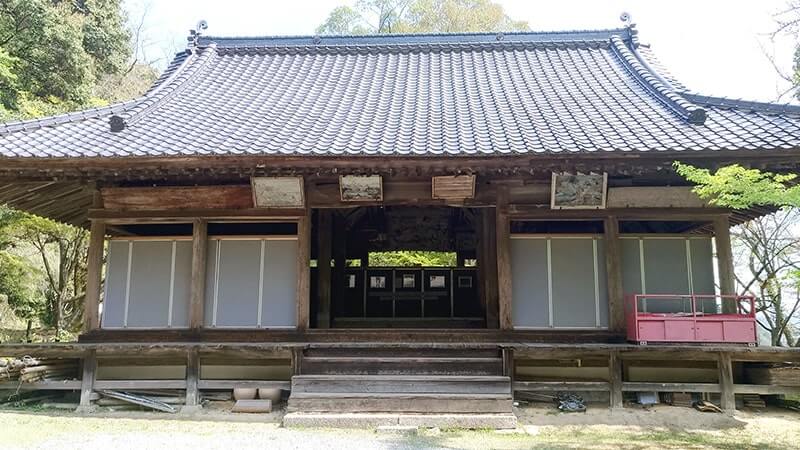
point(727, 399)
point(324, 249)
point(727, 280)
point(87, 380)
point(94, 275)
point(198, 286)
point(615, 380)
point(338, 279)
point(297, 361)
point(616, 295)
point(509, 367)
point(192, 380)
point(489, 263)
point(504, 259)
point(303, 271)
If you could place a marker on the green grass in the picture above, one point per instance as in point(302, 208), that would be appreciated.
point(30, 428)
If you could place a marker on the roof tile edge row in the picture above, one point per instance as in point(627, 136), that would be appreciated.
point(651, 81)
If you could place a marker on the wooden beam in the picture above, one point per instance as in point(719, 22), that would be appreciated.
point(727, 393)
point(198, 284)
point(94, 275)
point(615, 377)
point(178, 197)
point(87, 379)
point(525, 211)
point(303, 270)
point(324, 249)
point(616, 295)
point(654, 197)
point(186, 215)
point(489, 262)
point(504, 260)
point(564, 386)
point(633, 386)
point(727, 279)
point(192, 378)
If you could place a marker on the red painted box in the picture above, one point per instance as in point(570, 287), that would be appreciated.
point(728, 319)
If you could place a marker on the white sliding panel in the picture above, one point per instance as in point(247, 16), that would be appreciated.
point(147, 283)
point(251, 282)
point(558, 282)
point(680, 265)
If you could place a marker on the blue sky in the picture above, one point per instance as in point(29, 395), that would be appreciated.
point(713, 46)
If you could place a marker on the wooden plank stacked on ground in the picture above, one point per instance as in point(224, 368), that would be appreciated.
point(29, 370)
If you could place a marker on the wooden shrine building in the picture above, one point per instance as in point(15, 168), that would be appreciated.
point(234, 207)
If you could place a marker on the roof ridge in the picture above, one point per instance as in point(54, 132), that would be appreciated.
point(726, 102)
point(413, 38)
point(656, 84)
point(162, 92)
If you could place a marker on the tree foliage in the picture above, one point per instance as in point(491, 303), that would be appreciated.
point(53, 51)
point(738, 187)
point(767, 257)
point(419, 16)
point(412, 259)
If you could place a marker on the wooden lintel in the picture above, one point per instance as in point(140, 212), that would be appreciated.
point(178, 197)
point(522, 211)
point(185, 215)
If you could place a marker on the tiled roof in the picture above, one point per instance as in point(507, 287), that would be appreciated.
point(454, 94)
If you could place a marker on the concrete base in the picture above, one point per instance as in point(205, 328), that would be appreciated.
point(193, 409)
point(375, 420)
point(86, 409)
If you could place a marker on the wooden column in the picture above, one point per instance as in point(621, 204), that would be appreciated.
point(87, 380)
point(339, 263)
point(616, 295)
point(303, 271)
point(192, 379)
point(324, 249)
point(727, 397)
point(503, 259)
point(727, 280)
point(509, 367)
point(488, 261)
point(94, 275)
point(615, 380)
point(198, 287)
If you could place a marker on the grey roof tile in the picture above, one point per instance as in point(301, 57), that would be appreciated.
point(456, 94)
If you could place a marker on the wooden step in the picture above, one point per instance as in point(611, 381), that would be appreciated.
point(403, 352)
point(426, 384)
point(400, 366)
point(385, 402)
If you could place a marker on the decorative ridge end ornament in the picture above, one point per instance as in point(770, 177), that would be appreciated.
point(194, 35)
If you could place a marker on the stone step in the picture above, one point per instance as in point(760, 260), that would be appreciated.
point(453, 384)
point(389, 351)
point(374, 420)
point(406, 403)
point(400, 366)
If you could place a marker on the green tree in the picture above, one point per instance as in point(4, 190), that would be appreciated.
point(61, 251)
point(419, 16)
point(738, 187)
point(53, 51)
point(412, 259)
